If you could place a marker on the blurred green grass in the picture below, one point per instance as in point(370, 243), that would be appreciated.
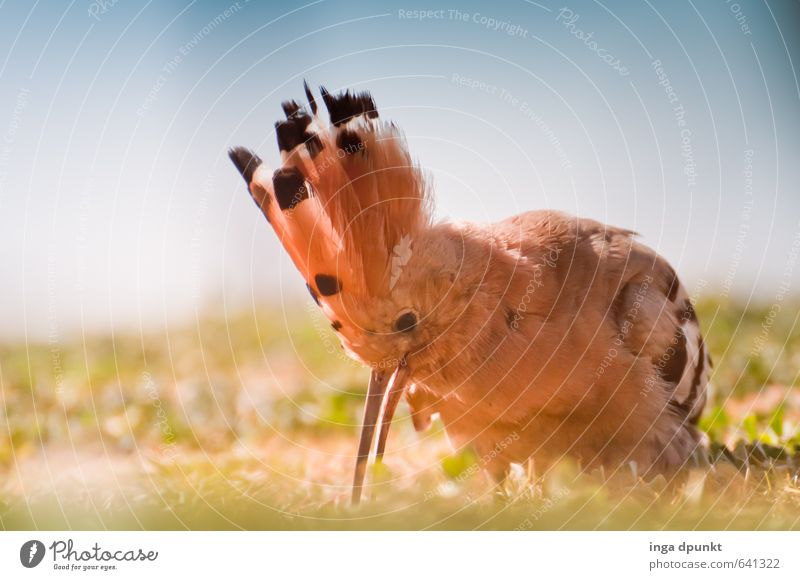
point(251, 420)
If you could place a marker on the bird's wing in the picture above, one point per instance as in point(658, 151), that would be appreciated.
point(639, 295)
point(654, 316)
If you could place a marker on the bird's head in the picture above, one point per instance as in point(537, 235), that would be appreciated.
point(352, 210)
point(418, 304)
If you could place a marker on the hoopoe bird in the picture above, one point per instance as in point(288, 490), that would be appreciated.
point(540, 336)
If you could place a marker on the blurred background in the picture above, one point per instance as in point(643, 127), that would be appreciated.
point(157, 344)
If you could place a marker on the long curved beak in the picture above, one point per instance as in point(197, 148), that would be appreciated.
point(383, 395)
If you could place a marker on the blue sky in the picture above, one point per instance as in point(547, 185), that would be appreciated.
point(119, 207)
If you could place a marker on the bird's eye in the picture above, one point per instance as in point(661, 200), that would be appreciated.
point(405, 322)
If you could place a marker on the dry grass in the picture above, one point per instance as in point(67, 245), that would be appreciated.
point(251, 422)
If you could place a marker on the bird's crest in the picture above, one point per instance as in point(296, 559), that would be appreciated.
point(347, 200)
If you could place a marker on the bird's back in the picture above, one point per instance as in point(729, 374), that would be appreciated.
point(642, 296)
point(588, 345)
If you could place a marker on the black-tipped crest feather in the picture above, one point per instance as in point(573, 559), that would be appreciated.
point(310, 96)
point(245, 161)
point(346, 105)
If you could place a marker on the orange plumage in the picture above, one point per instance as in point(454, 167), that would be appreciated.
point(535, 337)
